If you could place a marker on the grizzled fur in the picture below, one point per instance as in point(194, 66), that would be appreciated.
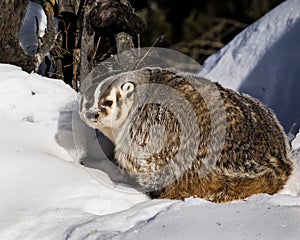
point(253, 158)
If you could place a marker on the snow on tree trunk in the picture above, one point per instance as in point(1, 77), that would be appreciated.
point(11, 19)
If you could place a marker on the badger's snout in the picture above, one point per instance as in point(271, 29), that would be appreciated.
point(92, 115)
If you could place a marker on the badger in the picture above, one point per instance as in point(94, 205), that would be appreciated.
point(180, 135)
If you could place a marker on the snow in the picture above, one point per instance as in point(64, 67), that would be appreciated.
point(47, 194)
point(258, 218)
point(37, 174)
point(28, 37)
point(296, 142)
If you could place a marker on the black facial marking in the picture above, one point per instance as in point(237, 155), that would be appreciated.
point(92, 115)
point(107, 103)
point(118, 96)
point(103, 111)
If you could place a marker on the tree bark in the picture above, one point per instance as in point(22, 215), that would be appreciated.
point(11, 19)
point(103, 20)
point(87, 41)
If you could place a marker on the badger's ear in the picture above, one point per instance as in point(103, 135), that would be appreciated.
point(127, 88)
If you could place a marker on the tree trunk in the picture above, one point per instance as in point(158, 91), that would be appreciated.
point(103, 21)
point(87, 41)
point(95, 37)
point(11, 19)
point(88, 33)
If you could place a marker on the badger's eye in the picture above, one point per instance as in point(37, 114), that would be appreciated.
point(107, 103)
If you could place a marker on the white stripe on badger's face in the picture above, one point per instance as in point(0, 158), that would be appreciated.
point(97, 95)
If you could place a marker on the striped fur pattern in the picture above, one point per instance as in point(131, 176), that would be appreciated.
point(153, 129)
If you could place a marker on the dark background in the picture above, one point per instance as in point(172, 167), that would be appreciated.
point(197, 28)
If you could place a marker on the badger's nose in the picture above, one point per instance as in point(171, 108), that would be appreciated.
point(92, 115)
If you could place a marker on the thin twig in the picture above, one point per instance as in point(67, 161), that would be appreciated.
point(149, 50)
point(96, 49)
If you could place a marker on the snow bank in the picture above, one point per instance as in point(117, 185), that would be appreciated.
point(25, 97)
point(263, 61)
point(258, 218)
point(37, 175)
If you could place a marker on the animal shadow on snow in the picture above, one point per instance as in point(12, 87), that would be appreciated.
point(88, 146)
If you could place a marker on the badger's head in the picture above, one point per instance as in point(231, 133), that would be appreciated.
point(105, 106)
